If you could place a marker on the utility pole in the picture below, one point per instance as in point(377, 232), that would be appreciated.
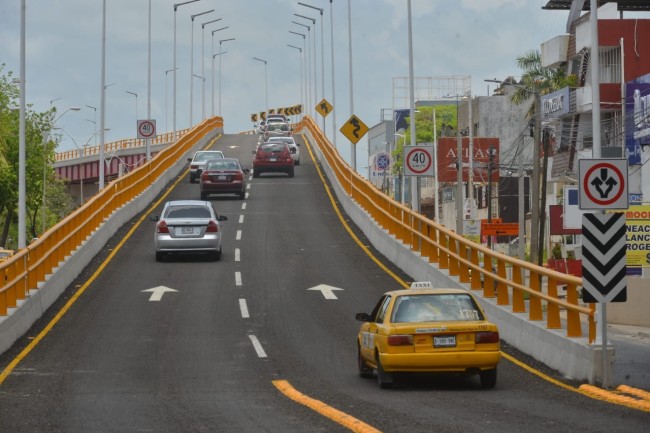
point(489, 192)
point(534, 232)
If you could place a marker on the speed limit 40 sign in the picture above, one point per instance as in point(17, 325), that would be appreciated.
point(418, 161)
point(146, 128)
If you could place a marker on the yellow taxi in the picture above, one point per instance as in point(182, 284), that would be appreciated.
point(429, 331)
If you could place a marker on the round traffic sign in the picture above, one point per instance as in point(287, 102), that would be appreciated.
point(382, 161)
point(146, 129)
point(418, 160)
point(603, 183)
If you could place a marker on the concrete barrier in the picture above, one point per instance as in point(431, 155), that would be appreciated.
point(20, 319)
point(573, 357)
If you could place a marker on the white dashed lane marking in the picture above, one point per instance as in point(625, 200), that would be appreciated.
point(241, 219)
point(237, 254)
point(238, 236)
point(244, 309)
point(257, 346)
point(238, 279)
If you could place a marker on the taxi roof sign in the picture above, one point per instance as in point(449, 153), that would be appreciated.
point(421, 285)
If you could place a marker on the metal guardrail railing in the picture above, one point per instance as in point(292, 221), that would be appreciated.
point(131, 143)
point(480, 267)
point(24, 270)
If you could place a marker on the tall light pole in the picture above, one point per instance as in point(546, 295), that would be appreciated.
point(221, 41)
point(322, 54)
point(192, 63)
point(350, 62)
point(176, 6)
point(46, 138)
point(415, 193)
point(315, 99)
point(213, 56)
point(136, 103)
point(303, 67)
point(301, 80)
point(102, 101)
point(308, 54)
point(203, 62)
point(266, 88)
point(166, 111)
point(148, 140)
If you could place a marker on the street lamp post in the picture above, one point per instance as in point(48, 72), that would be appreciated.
point(46, 138)
point(176, 6)
point(308, 54)
point(192, 63)
point(166, 111)
point(221, 41)
point(136, 102)
point(266, 92)
point(203, 62)
point(213, 55)
point(322, 61)
point(301, 81)
point(313, 21)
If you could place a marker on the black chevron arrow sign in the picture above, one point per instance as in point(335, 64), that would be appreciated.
point(603, 257)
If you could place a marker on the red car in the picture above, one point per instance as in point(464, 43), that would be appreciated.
point(223, 176)
point(272, 158)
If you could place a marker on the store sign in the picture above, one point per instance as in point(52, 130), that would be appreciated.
point(555, 104)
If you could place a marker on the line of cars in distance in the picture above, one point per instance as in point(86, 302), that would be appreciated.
point(277, 151)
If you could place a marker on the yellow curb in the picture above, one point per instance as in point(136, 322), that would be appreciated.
point(327, 411)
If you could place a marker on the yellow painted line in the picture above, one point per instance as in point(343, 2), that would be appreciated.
point(327, 411)
point(587, 390)
point(26, 351)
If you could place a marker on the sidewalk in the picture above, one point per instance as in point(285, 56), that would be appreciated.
point(631, 355)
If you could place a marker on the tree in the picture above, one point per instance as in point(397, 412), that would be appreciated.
point(38, 160)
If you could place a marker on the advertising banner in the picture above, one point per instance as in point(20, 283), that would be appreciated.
point(448, 148)
point(638, 239)
point(637, 122)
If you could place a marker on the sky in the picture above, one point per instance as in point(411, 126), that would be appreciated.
point(475, 38)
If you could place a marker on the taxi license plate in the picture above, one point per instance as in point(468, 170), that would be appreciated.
point(444, 341)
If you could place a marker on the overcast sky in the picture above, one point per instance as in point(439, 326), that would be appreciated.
point(476, 38)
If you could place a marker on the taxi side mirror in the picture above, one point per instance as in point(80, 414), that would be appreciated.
point(363, 317)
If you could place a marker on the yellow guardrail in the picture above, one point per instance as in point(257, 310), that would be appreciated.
point(131, 143)
point(470, 262)
point(29, 266)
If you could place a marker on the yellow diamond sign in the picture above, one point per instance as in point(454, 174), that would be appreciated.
point(354, 129)
point(324, 108)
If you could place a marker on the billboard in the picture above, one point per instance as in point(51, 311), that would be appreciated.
point(637, 121)
point(448, 148)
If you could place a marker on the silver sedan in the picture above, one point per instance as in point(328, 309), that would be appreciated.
point(188, 226)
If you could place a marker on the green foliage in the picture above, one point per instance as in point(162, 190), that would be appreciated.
point(38, 164)
point(445, 116)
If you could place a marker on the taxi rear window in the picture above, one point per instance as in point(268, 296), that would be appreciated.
point(436, 307)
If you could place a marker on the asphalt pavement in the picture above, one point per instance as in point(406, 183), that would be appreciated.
point(631, 355)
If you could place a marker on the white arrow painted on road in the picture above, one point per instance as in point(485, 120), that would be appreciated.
point(158, 292)
point(327, 291)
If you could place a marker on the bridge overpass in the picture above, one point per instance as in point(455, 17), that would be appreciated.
point(530, 317)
